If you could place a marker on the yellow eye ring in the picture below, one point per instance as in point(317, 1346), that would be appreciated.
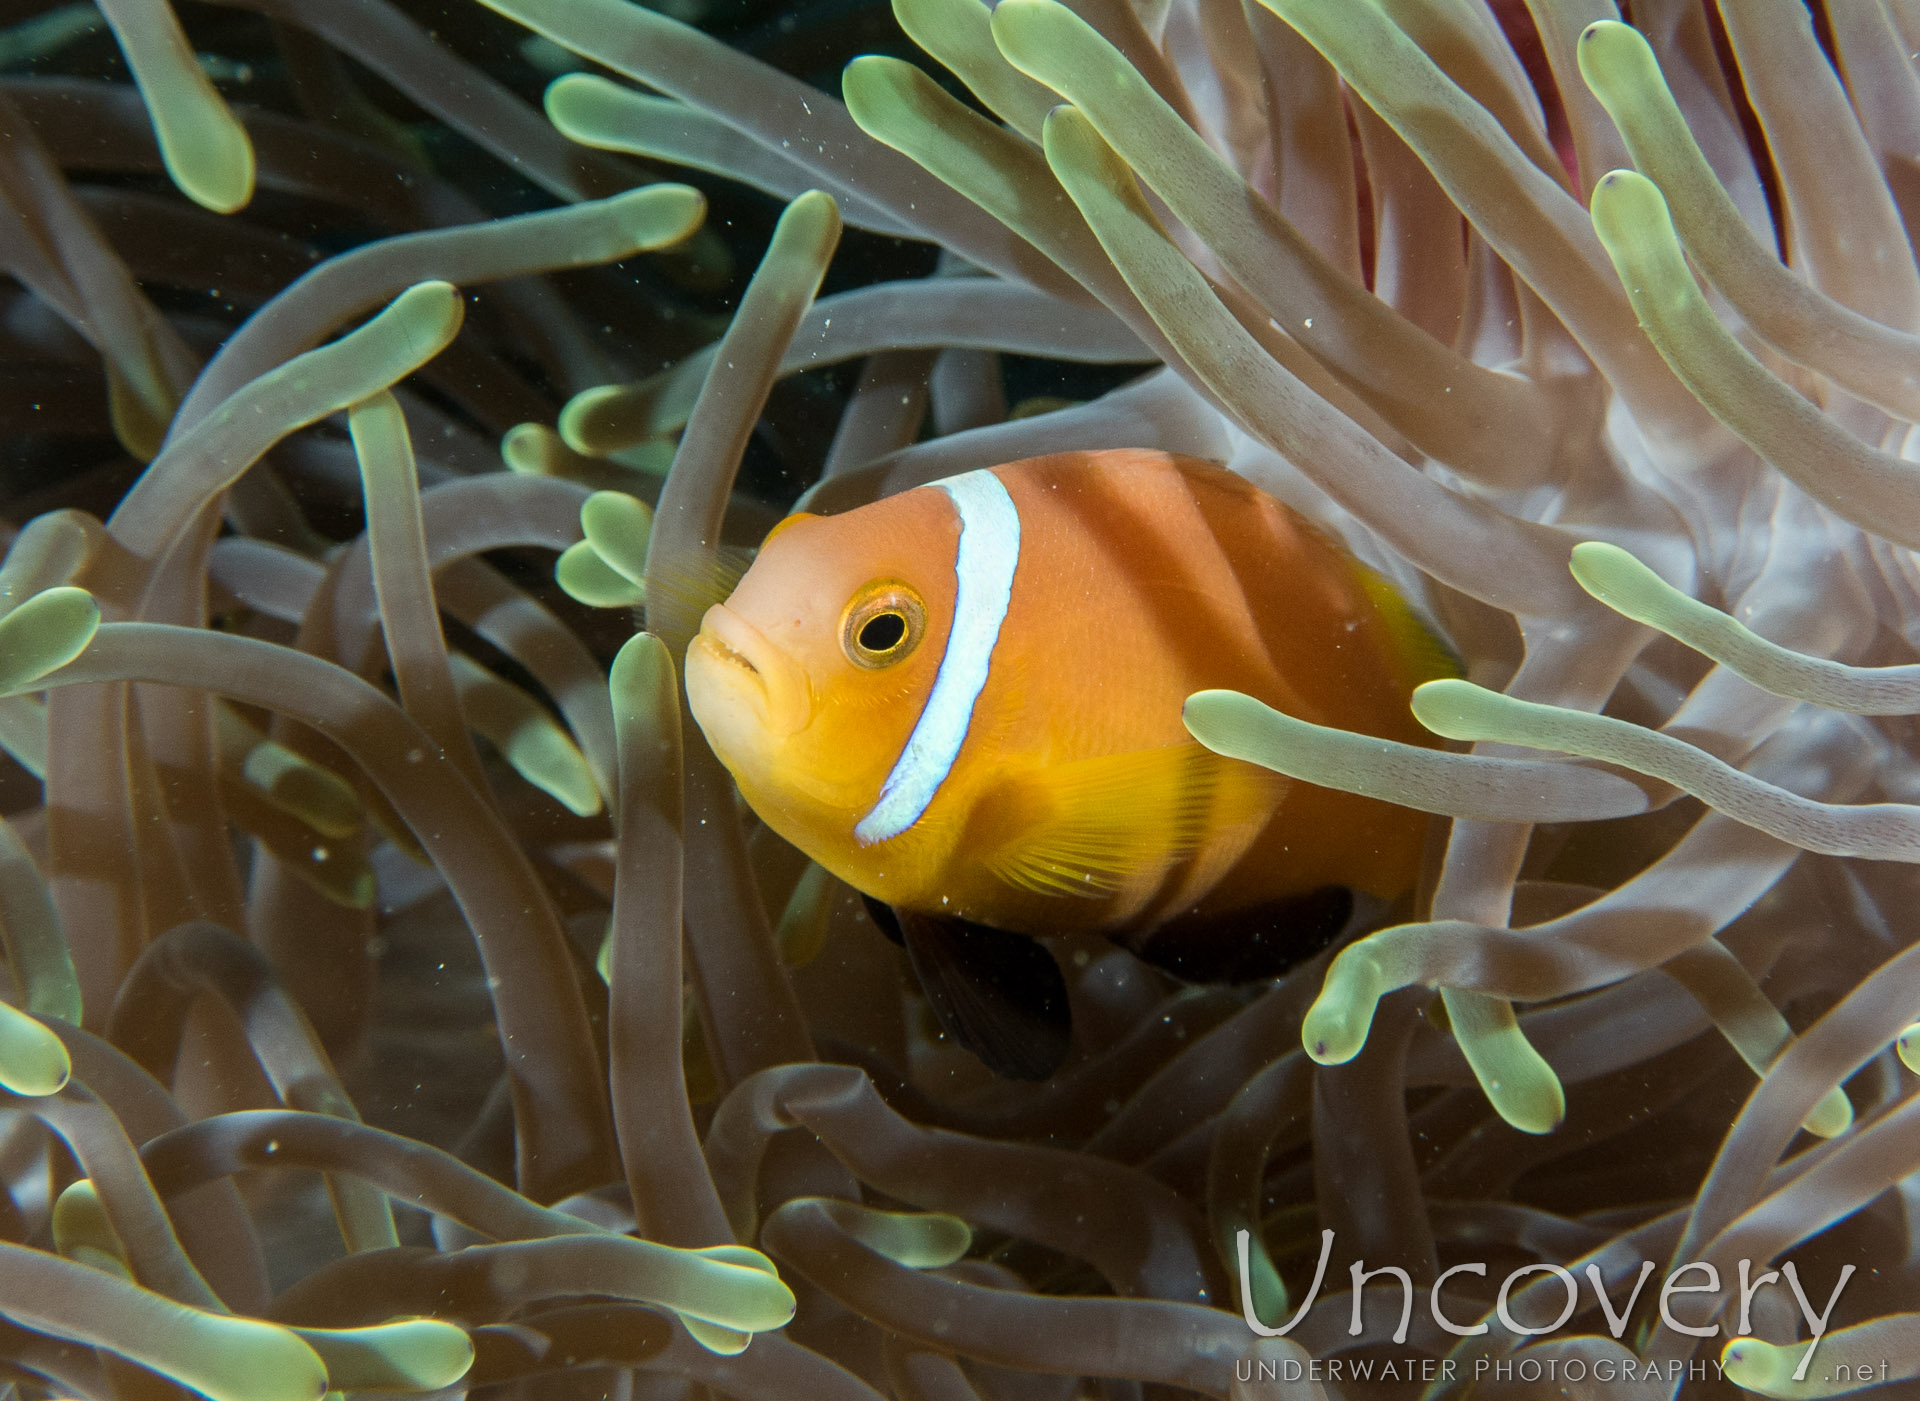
point(883, 624)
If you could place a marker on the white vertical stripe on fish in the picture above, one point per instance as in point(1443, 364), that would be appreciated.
point(983, 569)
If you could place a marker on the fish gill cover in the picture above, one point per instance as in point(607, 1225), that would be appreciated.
point(349, 1041)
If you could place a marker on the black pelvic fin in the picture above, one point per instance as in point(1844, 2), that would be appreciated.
point(883, 917)
point(1000, 995)
point(1243, 946)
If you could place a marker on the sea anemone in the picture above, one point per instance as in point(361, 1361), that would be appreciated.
point(393, 1001)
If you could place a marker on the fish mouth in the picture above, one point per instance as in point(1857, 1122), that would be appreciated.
point(731, 652)
point(726, 652)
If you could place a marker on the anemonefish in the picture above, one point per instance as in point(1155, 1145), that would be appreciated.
point(965, 701)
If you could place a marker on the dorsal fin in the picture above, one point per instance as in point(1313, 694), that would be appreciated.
point(1421, 652)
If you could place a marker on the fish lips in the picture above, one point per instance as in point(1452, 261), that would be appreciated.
point(732, 667)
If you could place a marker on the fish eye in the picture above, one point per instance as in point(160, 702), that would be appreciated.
point(883, 631)
point(883, 624)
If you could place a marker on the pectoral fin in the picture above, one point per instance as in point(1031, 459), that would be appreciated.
point(1088, 827)
point(694, 586)
point(1000, 995)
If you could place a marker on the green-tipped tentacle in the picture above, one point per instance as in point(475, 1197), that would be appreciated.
point(1879, 831)
point(1875, 491)
point(1477, 787)
point(587, 578)
point(44, 634)
point(1628, 587)
point(1876, 362)
point(205, 148)
point(32, 1060)
point(919, 1240)
point(1751, 1023)
point(223, 1357)
point(406, 1355)
point(1519, 1084)
point(528, 737)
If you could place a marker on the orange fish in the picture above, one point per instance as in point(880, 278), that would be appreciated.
point(965, 701)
